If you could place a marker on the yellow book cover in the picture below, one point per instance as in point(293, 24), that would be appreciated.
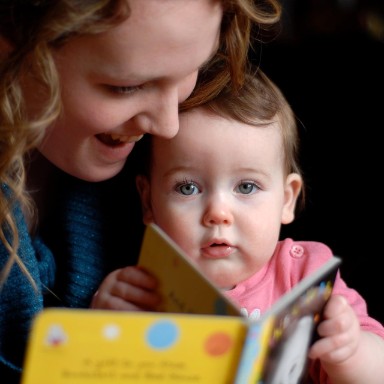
point(108, 347)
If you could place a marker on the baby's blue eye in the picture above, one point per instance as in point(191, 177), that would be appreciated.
point(188, 189)
point(247, 188)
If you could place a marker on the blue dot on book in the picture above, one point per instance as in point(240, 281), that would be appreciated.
point(162, 334)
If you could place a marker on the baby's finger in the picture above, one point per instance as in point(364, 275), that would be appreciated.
point(332, 349)
point(146, 299)
point(115, 303)
point(336, 305)
point(344, 321)
point(137, 277)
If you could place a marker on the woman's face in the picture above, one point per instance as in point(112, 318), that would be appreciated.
point(119, 85)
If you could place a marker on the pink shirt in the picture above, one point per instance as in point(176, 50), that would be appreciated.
point(291, 262)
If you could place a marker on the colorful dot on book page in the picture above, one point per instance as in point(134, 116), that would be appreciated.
point(162, 334)
point(218, 344)
point(111, 332)
point(56, 335)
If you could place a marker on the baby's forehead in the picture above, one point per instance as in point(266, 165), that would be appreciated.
point(202, 110)
point(204, 125)
point(203, 115)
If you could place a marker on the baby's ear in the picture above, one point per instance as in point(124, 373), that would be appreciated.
point(292, 189)
point(144, 189)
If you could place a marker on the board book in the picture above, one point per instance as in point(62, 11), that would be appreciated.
point(200, 337)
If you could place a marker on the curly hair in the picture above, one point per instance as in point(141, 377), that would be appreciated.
point(29, 32)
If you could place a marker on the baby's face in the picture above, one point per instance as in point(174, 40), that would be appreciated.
point(218, 189)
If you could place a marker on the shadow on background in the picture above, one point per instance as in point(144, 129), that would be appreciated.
point(329, 62)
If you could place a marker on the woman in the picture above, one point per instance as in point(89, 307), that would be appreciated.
point(80, 83)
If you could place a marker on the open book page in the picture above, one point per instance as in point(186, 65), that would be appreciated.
point(277, 344)
point(183, 287)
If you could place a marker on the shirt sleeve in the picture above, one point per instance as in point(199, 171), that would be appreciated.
point(359, 305)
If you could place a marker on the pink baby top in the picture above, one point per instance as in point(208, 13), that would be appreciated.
point(291, 262)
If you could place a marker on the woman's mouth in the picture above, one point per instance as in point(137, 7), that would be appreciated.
point(114, 140)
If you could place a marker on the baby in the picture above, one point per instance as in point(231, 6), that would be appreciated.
point(222, 188)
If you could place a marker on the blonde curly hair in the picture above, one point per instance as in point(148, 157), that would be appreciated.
point(31, 29)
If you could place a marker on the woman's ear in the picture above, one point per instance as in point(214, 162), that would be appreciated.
point(144, 189)
point(292, 189)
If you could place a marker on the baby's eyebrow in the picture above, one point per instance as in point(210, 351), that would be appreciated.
point(178, 170)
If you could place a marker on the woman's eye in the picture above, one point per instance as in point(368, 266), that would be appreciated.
point(247, 188)
point(188, 189)
point(124, 90)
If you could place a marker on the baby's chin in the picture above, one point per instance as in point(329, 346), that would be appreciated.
point(224, 285)
point(228, 289)
point(222, 279)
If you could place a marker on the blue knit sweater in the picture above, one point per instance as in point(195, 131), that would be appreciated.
point(68, 259)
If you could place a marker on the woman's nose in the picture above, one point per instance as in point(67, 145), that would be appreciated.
point(161, 114)
point(218, 213)
point(161, 117)
point(166, 117)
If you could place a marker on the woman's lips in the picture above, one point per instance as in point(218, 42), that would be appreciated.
point(113, 148)
point(114, 140)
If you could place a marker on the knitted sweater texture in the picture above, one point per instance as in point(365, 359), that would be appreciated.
point(67, 259)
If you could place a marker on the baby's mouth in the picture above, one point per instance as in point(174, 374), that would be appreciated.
point(114, 140)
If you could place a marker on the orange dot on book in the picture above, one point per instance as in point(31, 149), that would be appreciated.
point(218, 343)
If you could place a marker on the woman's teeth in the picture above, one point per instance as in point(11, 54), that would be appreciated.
point(114, 139)
point(126, 139)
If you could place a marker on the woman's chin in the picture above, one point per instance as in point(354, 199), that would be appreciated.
point(96, 173)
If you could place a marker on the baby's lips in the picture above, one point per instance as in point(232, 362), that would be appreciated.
point(217, 251)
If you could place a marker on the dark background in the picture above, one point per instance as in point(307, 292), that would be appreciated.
point(328, 59)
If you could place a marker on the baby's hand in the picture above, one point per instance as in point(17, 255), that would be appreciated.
point(127, 289)
point(339, 331)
